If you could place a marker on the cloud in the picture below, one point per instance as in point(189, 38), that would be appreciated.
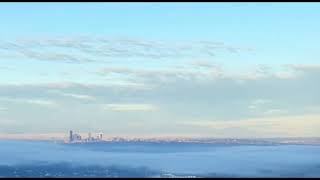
point(76, 85)
point(53, 56)
point(168, 85)
point(266, 107)
point(304, 67)
point(5, 123)
point(78, 96)
point(40, 102)
point(160, 75)
point(182, 94)
point(261, 101)
point(275, 111)
point(301, 70)
point(258, 103)
point(204, 64)
point(129, 107)
point(147, 73)
point(33, 101)
point(210, 72)
point(279, 126)
point(85, 49)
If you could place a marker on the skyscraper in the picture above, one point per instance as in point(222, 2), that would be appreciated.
point(89, 136)
point(70, 136)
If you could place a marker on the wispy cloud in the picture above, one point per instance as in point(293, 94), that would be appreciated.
point(258, 103)
point(34, 101)
point(91, 49)
point(78, 96)
point(266, 107)
point(54, 56)
point(210, 71)
point(151, 73)
point(205, 64)
point(40, 102)
point(304, 67)
point(8, 122)
point(129, 107)
point(275, 112)
point(76, 85)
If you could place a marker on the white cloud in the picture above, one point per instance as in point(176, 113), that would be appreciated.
point(258, 103)
point(74, 85)
point(261, 101)
point(40, 102)
point(78, 96)
point(252, 107)
point(265, 107)
point(275, 112)
point(34, 101)
point(129, 107)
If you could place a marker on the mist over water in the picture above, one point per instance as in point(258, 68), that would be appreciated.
point(203, 160)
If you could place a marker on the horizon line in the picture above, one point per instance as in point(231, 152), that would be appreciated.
point(64, 136)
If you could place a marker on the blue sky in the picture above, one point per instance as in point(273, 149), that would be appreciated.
point(144, 69)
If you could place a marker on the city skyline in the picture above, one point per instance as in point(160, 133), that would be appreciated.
point(246, 70)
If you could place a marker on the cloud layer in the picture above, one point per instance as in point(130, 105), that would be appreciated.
point(129, 107)
point(91, 49)
point(161, 95)
point(164, 99)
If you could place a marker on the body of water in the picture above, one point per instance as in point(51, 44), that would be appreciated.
point(37, 159)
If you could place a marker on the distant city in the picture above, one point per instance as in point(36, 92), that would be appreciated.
point(76, 138)
point(98, 138)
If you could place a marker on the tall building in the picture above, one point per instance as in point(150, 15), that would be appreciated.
point(89, 136)
point(71, 136)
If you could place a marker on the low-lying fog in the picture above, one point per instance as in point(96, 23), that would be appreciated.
point(196, 159)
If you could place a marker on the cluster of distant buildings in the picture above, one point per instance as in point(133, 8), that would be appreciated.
point(76, 138)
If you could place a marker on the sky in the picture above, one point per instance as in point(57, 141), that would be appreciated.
point(160, 69)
